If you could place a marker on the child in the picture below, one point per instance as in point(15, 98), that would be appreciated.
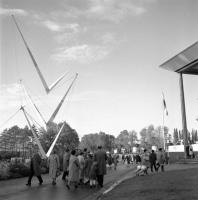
point(141, 170)
point(93, 174)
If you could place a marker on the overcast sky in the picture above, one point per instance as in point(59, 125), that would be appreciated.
point(115, 46)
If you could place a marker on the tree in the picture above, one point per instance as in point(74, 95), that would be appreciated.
point(123, 139)
point(14, 140)
point(126, 139)
point(175, 136)
point(152, 136)
point(194, 136)
point(91, 141)
point(143, 136)
point(67, 139)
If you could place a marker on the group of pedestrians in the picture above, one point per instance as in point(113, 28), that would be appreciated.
point(112, 159)
point(151, 160)
point(79, 167)
point(35, 167)
point(84, 168)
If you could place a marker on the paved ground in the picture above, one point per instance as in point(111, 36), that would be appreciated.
point(17, 190)
point(178, 182)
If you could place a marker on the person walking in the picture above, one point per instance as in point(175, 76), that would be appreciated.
point(145, 159)
point(82, 167)
point(66, 157)
point(88, 164)
point(35, 168)
point(115, 161)
point(93, 174)
point(54, 165)
point(74, 167)
point(152, 160)
point(191, 151)
point(100, 157)
point(109, 160)
point(161, 159)
point(137, 159)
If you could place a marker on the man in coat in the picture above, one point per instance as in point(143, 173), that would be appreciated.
point(35, 168)
point(100, 157)
point(66, 158)
point(152, 159)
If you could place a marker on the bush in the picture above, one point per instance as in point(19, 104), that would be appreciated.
point(4, 170)
point(18, 170)
point(5, 155)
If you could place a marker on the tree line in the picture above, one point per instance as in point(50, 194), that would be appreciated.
point(178, 136)
point(19, 141)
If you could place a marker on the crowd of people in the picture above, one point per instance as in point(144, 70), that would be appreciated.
point(81, 167)
point(151, 160)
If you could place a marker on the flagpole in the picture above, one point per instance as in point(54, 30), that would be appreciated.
point(163, 109)
point(163, 132)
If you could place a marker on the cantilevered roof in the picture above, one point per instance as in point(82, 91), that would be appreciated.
point(185, 62)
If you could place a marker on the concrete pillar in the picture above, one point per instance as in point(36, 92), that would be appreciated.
point(183, 112)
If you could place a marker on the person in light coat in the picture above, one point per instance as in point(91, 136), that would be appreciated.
point(82, 167)
point(74, 167)
point(161, 159)
point(54, 165)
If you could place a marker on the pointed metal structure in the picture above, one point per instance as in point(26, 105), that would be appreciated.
point(57, 108)
point(55, 140)
point(34, 134)
point(47, 89)
point(61, 102)
point(34, 106)
point(43, 154)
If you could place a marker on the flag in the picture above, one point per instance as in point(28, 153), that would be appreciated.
point(164, 105)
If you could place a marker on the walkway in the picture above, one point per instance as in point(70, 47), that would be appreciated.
point(16, 189)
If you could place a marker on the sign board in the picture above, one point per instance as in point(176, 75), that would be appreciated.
point(180, 148)
point(176, 148)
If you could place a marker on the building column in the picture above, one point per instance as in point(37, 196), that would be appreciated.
point(183, 112)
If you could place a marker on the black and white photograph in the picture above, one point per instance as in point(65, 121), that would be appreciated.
point(98, 99)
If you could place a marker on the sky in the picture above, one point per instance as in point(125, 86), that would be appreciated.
point(115, 46)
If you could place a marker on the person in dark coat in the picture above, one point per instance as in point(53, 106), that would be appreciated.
point(109, 160)
point(138, 159)
point(88, 164)
point(66, 158)
point(35, 169)
point(152, 160)
point(100, 157)
point(93, 174)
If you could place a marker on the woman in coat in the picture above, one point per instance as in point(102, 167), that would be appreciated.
point(54, 165)
point(161, 159)
point(145, 160)
point(82, 167)
point(88, 164)
point(74, 167)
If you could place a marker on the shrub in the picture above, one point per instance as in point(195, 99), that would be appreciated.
point(4, 170)
point(18, 170)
